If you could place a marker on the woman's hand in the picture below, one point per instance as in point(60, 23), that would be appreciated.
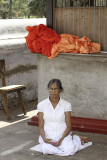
point(56, 144)
point(48, 140)
point(59, 142)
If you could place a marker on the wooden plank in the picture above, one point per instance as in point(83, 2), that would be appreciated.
point(85, 24)
point(2, 72)
point(4, 98)
point(21, 101)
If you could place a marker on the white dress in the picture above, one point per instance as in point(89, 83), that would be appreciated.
point(54, 127)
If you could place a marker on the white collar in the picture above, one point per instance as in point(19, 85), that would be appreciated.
point(60, 101)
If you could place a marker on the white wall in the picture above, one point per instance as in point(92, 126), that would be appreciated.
point(21, 64)
point(84, 78)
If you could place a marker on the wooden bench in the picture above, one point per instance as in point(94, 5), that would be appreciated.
point(4, 90)
point(81, 124)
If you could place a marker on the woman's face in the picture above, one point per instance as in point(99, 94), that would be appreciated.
point(54, 91)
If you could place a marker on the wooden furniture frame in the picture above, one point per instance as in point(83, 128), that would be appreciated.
point(4, 90)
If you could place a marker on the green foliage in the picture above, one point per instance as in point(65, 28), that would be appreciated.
point(22, 8)
point(80, 3)
point(4, 6)
point(38, 8)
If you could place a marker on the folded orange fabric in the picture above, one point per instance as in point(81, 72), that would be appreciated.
point(42, 39)
point(74, 44)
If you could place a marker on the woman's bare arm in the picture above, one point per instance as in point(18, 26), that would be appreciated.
point(69, 127)
point(41, 128)
point(41, 125)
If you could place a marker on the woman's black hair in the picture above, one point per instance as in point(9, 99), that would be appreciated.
point(57, 81)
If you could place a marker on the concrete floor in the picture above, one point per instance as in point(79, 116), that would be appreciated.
point(16, 137)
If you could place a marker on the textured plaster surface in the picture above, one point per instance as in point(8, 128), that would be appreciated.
point(84, 80)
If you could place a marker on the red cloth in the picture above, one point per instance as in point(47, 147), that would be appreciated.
point(40, 39)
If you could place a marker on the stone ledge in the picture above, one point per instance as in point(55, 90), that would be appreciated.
point(12, 43)
point(13, 31)
point(101, 54)
point(10, 27)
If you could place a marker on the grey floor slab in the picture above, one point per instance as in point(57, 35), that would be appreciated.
point(17, 137)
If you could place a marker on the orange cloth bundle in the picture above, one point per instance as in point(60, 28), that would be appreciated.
point(42, 39)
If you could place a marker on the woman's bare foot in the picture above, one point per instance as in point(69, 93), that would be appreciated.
point(84, 139)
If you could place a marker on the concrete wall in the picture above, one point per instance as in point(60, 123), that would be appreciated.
point(21, 68)
point(84, 80)
point(21, 64)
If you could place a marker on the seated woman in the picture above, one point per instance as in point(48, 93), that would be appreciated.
point(55, 125)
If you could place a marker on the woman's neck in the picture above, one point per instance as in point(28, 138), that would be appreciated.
point(54, 100)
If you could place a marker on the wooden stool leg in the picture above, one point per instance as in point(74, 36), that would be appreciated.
point(4, 98)
point(21, 101)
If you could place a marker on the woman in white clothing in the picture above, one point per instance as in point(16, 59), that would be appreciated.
point(55, 125)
